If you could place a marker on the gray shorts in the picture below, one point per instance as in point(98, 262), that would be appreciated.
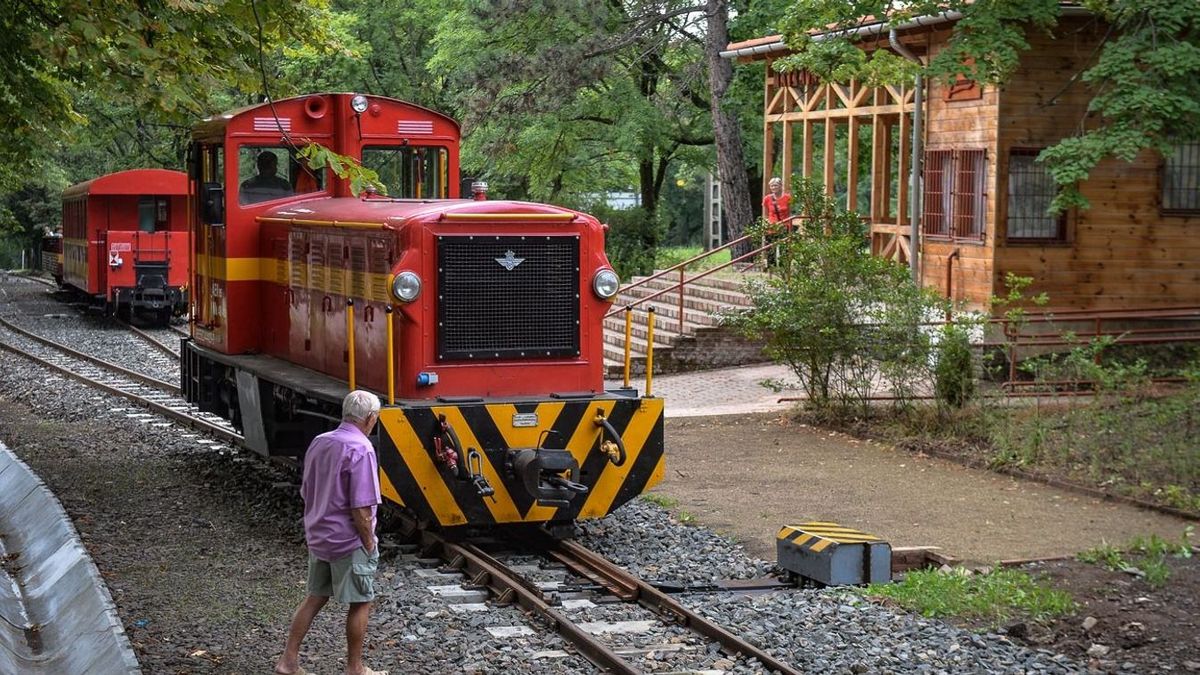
point(350, 579)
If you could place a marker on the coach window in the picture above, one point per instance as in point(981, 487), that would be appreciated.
point(273, 172)
point(410, 171)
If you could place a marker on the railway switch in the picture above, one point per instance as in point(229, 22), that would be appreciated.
point(831, 555)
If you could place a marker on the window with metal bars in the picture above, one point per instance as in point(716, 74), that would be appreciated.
point(1031, 188)
point(1181, 179)
point(955, 195)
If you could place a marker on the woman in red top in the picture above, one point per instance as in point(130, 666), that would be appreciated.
point(777, 207)
point(777, 204)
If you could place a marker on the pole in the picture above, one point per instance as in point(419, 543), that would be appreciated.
point(391, 357)
point(350, 338)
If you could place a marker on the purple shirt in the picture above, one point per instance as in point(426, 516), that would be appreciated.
point(340, 473)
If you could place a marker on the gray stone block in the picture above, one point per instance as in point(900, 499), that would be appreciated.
point(55, 587)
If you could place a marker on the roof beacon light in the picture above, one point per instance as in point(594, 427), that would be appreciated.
point(359, 104)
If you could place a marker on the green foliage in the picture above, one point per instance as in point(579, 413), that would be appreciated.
point(66, 59)
point(954, 377)
point(991, 598)
point(838, 317)
point(1145, 556)
point(318, 157)
point(629, 242)
point(1145, 83)
point(569, 98)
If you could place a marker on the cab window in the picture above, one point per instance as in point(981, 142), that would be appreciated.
point(410, 171)
point(273, 172)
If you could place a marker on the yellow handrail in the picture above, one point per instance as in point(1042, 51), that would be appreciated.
point(628, 337)
point(350, 337)
point(391, 357)
point(650, 351)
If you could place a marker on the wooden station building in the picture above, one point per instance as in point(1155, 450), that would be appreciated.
point(983, 199)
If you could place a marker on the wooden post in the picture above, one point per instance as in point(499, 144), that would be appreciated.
point(852, 165)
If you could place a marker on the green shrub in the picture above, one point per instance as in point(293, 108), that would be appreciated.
point(840, 318)
point(954, 379)
point(631, 241)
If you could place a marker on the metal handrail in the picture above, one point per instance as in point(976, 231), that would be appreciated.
point(680, 267)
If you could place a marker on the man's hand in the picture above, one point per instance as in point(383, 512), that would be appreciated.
point(362, 523)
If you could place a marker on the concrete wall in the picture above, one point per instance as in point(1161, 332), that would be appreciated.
point(56, 615)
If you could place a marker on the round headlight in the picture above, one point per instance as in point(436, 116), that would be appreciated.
point(606, 283)
point(406, 286)
point(359, 104)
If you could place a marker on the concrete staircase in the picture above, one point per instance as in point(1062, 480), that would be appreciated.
point(703, 344)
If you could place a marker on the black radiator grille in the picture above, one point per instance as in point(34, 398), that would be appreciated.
point(504, 297)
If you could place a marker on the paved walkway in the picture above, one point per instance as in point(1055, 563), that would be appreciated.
point(726, 391)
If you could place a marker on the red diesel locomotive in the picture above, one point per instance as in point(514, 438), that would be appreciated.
point(478, 322)
point(125, 241)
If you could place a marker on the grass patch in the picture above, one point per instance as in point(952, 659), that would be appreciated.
point(1146, 555)
point(989, 598)
point(673, 255)
point(661, 500)
point(1138, 444)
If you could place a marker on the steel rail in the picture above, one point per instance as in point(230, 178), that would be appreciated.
point(662, 604)
point(190, 420)
point(507, 586)
point(140, 378)
point(150, 338)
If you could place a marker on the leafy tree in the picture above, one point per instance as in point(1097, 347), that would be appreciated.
point(166, 56)
point(567, 98)
point(1145, 82)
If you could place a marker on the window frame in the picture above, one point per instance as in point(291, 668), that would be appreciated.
point(1163, 208)
point(442, 152)
point(960, 208)
point(1061, 221)
point(323, 175)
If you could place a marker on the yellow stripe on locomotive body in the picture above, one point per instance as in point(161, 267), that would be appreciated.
point(498, 430)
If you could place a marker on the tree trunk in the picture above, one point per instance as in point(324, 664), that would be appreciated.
point(731, 161)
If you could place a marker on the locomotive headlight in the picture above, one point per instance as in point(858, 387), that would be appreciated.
point(359, 104)
point(606, 283)
point(406, 286)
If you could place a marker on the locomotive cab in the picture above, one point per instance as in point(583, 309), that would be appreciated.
point(479, 323)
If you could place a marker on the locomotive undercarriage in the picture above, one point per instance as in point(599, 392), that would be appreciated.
point(461, 463)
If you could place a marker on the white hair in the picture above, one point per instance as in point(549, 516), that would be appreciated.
point(775, 180)
point(359, 405)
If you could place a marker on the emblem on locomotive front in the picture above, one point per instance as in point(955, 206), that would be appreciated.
point(509, 261)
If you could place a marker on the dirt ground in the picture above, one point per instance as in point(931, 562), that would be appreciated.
point(785, 472)
point(1156, 629)
point(747, 475)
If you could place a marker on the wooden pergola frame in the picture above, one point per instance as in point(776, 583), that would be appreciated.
point(797, 98)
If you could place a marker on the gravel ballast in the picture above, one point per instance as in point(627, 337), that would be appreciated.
point(202, 548)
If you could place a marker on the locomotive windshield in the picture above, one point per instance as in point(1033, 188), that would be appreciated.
point(272, 172)
point(410, 171)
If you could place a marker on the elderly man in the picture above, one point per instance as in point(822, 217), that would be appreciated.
point(341, 492)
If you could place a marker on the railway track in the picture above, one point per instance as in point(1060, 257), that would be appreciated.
point(153, 340)
point(606, 581)
point(149, 392)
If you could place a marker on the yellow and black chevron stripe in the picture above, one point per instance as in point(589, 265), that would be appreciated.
point(411, 476)
point(816, 536)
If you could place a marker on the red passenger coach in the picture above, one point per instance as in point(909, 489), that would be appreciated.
point(479, 323)
point(125, 240)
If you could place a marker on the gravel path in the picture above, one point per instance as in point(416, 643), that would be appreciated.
point(203, 551)
point(35, 307)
